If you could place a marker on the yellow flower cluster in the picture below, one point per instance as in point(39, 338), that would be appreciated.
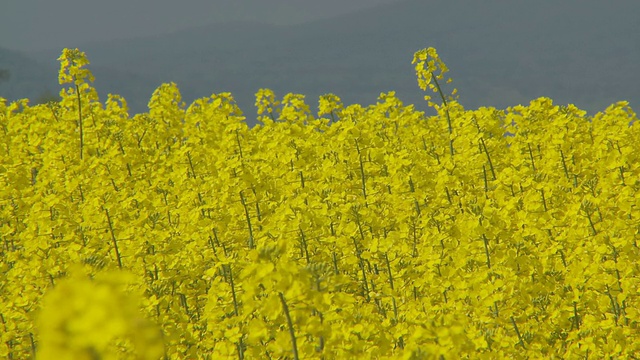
point(374, 233)
point(81, 317)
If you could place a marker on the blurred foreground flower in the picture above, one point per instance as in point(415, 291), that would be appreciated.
point(97, 318)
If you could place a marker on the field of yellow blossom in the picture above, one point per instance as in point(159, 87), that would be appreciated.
point(359, 233)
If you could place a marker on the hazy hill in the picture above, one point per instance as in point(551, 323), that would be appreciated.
point(31, 25)
point(38, 79)
point(27, 78)
point(500, 53)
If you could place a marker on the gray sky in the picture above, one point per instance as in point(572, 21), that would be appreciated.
point(43, 24)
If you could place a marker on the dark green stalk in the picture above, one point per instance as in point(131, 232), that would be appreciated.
point(193, 171)
point(246, 213)
point(564, 164)
point(239, 345)
point(533, 164)
point(386, 258)
point(113, 238)
point(364, 183)
point(576, 317)
point(488, 158)
point(446, 109)
point(290, 324)
point(304, 245)
point(364, 273)
point(80, 119)
point(593, 227)
point(486, 250)
point(515, 326)
point(238, 139)
point(486, 182)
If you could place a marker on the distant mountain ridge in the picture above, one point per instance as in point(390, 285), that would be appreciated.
point(500, 53)
point(33, 79)
point(27, 78)
point(52, 25)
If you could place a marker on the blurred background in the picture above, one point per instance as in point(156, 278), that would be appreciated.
point(500, 52)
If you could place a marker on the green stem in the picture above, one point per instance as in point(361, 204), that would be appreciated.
point(533, 164)
point(113, 238)
point(246, 213)
point(486, 250)
point(290, 323)
point(593, 227)
point(239, 345)
point(80, 119)
point(393, 298)
point(576, 317)
point(364, 273)
point(564, 164)
point(615, 308)
point(515, 326)
point(193, 171)
point(486, 182)
point(564, 261)
point(446, 109)
point(488, 158)
point(544, 200)
point(238, 139)
point(364, 183)
point(304, 245)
